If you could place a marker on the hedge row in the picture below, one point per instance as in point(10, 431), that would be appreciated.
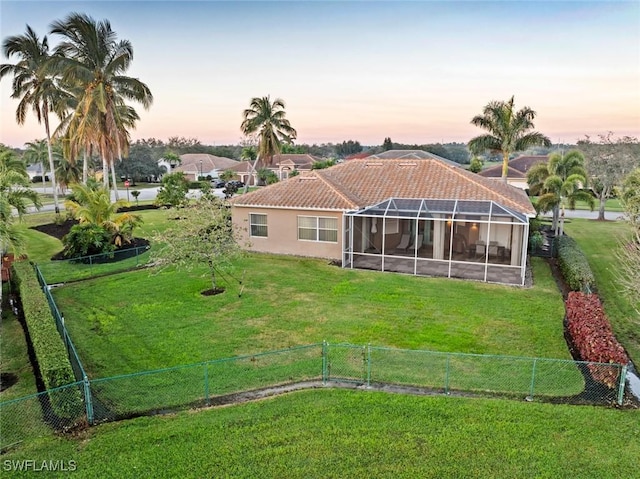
point(593, 337)
point(573, 265)
point(50, 352)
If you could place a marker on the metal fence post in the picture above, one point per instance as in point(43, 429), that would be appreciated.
point(324, 363)
point(206, 384)
point(88, 401)
point(446, 375)
point(369, 365)
point(533, 379)
point(623, 380)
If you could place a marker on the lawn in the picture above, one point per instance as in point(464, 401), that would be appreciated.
point(599, 241)
point(143, 320)
point(338, 433)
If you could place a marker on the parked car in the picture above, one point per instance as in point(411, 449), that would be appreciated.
point(218, 183)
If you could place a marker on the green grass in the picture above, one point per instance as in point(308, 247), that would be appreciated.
point(143, 321)
point(14, 356)
point(599, 241)
point(337, 433)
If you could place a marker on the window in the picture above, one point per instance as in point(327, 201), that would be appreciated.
point(313, 228)
point(258, 225)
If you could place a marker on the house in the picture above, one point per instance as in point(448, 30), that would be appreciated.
point(36, 170)
point(410, 155)
point(194, 165)
point(517, 172)
point(283, 165)
point(286, 163)
point(416, 216)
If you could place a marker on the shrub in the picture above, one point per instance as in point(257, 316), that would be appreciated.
point(592, 336)
point(573, 265)
point(51, 355)
point(87, 239)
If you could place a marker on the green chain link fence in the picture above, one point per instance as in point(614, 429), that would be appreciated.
point(95, 265)
point(225, 380)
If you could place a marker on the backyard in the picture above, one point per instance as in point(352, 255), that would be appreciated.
point(144, 320)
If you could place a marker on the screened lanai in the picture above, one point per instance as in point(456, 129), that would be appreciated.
point(479, 240)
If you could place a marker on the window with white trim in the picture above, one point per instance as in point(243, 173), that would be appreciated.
point(258, 225)
point(318, 228)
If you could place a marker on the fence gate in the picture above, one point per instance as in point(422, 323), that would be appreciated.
point(346, 362)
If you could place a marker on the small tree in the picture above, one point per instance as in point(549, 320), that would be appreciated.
point(203, 235)
point(173, 191)
point(135, 194)
point(476, 165)
point(227, 175)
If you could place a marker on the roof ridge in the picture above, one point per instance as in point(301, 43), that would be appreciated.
point(459, 171)
point(335, 188)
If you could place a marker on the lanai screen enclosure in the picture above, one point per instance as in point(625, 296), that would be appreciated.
point(479, 240)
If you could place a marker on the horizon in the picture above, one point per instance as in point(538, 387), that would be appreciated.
point(416, 72)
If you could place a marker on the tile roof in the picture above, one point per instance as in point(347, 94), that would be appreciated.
point(295, 158)
point(410, 155)
point(518, 167)
point(191, 161)
point(359, 183)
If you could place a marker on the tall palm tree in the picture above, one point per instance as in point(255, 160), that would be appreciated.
point(508, 131)
point(267, 119)
point(561, 179)
point(35, 84)
point(93, 60)
point(37, 152)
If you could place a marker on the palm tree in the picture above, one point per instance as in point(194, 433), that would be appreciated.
point(37, 152)
point(15, 193)
point(92, 60)
point(268, 120)
point(509, 131)
point(68, 173)
point(34, 84)
point(561, 178)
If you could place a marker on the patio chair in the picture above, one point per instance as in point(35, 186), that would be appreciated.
point(404, 243)
point(493, 248)
point(480, 248)
point(418, 243)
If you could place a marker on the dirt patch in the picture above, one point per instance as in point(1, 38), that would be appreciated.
point(7, 380)
point(212, 291)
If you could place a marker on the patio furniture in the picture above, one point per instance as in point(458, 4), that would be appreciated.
point(404, 243)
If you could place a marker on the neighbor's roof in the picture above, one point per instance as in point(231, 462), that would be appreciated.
point(518, 167)
point(191, 162)
point(295, 159)
point(356, 184)
point(410, 155)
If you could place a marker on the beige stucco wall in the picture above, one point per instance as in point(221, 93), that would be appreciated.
point(282, 232)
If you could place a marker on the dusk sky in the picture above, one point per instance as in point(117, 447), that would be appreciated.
point(414, 71)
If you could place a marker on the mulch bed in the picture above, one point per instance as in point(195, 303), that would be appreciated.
point(59, 230)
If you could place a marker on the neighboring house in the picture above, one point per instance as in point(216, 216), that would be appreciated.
point(410, 155)
point(358, 156)
point(36, 170)
point(203, 164)
point(283, 165)
point(417, 216)
point(286, 163)
point(517, 172)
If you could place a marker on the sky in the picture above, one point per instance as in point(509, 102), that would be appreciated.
point(415, 71)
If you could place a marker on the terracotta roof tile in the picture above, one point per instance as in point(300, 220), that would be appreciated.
point(359, 183)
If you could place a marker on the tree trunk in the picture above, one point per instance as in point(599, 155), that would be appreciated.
point(51, 165)
point(105, 173)
point(505, 166)
point(113, 178)
point(85, 168)
point(251, 174)
point(556, 215)
point(601, 207)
